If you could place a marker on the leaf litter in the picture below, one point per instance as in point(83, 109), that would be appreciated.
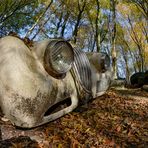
point(112, 120)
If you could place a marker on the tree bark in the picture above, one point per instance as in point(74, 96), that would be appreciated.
point(126, 65)
point(97, 24)
point(113, 36)
point(81, 10)
point(132, 57)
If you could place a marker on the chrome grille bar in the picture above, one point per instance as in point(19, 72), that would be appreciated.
point(82, 70)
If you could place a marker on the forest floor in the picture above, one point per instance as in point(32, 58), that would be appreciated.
point(117, 119)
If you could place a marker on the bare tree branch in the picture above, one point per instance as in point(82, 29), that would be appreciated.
point(38, 20)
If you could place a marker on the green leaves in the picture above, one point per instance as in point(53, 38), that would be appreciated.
point(88, 23)
point(16, 15)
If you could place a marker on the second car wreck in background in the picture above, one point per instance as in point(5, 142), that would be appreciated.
point(33, 79)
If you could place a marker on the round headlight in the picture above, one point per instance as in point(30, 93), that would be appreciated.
point(58, 58)
point(100, 60)
point(105, 61)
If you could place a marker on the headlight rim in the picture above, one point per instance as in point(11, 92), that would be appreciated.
point(48, 62)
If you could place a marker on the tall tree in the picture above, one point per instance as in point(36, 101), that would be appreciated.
point(142, 6)
point(133, 41)
point(113, 36)
point(15, 15)
point(97, 24)
point(137, 41)
point(81, 8)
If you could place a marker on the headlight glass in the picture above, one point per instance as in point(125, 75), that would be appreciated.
point(58, 58)
point(62, 57)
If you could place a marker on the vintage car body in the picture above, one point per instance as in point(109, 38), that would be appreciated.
point(28, 90)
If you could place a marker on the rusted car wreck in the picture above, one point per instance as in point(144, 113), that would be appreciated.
point(33, 79)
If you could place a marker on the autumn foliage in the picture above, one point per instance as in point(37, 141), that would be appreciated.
point(117, 119)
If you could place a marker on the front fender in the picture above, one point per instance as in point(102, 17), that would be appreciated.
point(27, 90)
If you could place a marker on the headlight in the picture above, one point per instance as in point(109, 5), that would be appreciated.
point(101, 61)
point(105, 61)
point(58, 58)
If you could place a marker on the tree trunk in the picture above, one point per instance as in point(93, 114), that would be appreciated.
point(126, 65)
point(137, 41)
point(81, 10)
point(132, 57)
point(93, 37)
point(113, 36)
point(97, 24)
point(64, 24)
